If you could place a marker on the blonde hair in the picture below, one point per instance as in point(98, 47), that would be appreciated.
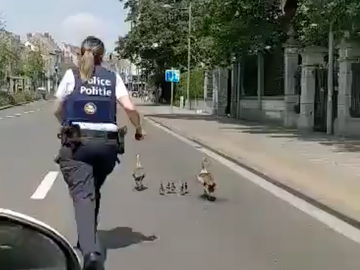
point(86, 65)
point(91, 53)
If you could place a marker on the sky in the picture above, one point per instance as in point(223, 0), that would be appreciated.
point(66, 20)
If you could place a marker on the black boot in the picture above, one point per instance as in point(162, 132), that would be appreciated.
point(78, 246)
point(92, 261)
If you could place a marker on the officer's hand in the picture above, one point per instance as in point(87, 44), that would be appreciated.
point(139, 134)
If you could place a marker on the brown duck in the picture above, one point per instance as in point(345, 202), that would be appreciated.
point(206, 178)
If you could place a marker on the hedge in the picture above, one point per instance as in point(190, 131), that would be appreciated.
point(196, 84)
point(20, 97)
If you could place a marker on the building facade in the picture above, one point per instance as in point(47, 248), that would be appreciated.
point(51, 53)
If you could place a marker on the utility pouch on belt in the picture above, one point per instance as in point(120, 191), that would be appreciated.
point(121, 139)
point(70, 137)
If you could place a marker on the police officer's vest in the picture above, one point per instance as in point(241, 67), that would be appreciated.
point(93, 101)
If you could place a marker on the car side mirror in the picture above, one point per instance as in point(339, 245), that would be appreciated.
point(27, 243)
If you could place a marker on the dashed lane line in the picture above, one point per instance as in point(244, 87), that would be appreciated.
point(20, 114)
point(45, 186)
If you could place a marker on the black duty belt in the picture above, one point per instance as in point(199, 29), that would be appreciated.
point(72, 136)
point(97, 134)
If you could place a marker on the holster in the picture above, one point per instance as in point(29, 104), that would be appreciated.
point(121, 139)
point(70, 137)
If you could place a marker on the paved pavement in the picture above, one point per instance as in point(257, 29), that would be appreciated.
point(247, 228)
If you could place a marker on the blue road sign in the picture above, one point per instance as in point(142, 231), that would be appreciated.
point(172, 75)
point(168, 75)
point(176, 76)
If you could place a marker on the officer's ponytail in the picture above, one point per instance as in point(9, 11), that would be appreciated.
point(86, 65)
point(92, 51)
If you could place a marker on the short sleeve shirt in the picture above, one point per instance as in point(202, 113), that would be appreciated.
point(67, 85)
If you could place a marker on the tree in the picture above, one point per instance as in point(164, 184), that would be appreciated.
point(314, 17)
point(158, 38)
point(159, 34)
point(226, 28)
point(243, 27)
point(34, 65)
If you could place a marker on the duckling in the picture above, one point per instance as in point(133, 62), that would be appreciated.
point(186, 189)
point(168, 187)
point(207, 180)
point(172, 187)
point(162, 189)
point(183, 188)
point(138, 174)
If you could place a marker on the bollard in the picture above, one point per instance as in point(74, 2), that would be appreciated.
point(182, 102)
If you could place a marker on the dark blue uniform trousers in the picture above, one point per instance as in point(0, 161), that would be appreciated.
point(84, 171)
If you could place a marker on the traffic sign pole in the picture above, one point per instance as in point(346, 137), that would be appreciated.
point(172, 90)
point(172, 76)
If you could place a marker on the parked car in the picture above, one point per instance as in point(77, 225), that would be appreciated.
point(135, 94)
point(42, 91)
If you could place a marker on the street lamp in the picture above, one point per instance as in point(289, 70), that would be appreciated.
point(188, 104)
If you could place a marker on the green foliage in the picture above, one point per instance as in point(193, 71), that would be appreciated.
point(159, 35)
point(223, 30)
point(17, 60)
point(220, 29)
point(196, 84)
point(34, 65)
point(26, 96)
point(20, 97)
point(239, 27)
point(10, 56)
point(6, 99)
point(314, 17)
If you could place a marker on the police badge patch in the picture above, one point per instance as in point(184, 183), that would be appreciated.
point(90, 108)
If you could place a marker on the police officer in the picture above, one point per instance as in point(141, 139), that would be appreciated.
point(87, 98)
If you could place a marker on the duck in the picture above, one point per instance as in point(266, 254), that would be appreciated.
point(138, 174)
point(206, 178)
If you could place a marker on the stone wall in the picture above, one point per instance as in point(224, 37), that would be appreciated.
point(206, 105)
point(272, 109)
point(345, 125)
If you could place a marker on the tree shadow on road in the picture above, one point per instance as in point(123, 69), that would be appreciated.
point(121, 237)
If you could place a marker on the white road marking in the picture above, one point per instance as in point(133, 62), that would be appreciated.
point(45, 185)
point(332, 222)
point(20, 114)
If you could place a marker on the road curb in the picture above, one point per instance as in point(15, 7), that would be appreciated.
point(17, 105)
point(326, 208)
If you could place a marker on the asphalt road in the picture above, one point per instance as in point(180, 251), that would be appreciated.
point(247, 228)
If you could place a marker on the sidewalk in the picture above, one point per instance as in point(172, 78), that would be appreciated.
point(322, 167)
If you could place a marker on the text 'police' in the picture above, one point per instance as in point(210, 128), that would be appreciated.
point(98, 87)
